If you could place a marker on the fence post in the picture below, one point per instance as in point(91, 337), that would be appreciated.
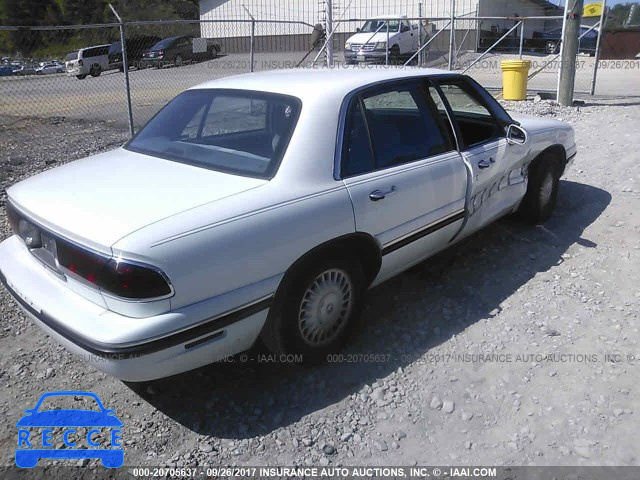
point(386, 57)
point(521, 38)
point(252, 46)
point(420, 33)
point(125, 67)
point(568, 53)
point(252, 40)
point(603, 20)
point(452, 34)
point(329, 5)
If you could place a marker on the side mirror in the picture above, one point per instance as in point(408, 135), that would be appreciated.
point(358, 30)
point(516, 135)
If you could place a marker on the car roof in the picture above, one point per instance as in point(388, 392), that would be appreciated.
point(390, 16)
point(96, 46)
point(319, 83)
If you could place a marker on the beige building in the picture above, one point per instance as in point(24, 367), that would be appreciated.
point(229, 20)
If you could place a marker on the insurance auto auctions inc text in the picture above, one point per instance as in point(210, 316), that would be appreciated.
point(366, 472)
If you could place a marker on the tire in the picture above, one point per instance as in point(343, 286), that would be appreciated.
point(306, 320)
point(542, 191)
point(95, 71)
point(178, 61)
point(394, 54)
point(552, 47)
point(81, 77)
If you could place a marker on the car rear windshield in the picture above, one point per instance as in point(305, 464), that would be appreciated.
point(164, 43)
point(72, 56)
point(234, 131)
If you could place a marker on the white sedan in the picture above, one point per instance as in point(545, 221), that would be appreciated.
point(49, 68)
point(264, 206)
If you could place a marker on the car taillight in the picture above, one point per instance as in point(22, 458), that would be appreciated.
point(161, 52)
point(121, 278)
point(129, 280)
point(13, 217)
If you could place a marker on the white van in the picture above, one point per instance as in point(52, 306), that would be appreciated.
point(88, 61)
point(369, 44)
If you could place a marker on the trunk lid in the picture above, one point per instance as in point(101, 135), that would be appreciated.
point(100, 199)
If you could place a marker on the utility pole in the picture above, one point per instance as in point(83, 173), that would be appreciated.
point(569, 51)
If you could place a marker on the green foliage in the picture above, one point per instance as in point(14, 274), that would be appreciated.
point(55, 44)
point(619, 14)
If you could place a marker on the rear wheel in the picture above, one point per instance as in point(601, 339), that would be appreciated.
point(318, 311)
point(95, 71)
point(178, 61)
point(553, 47)
point(542, 191)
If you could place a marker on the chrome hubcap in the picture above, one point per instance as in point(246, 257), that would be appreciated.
point(546, 189)
point(325, 307)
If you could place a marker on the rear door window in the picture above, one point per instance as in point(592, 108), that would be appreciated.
point(401, 123)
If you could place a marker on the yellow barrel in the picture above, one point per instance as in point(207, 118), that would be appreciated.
point(514, 79)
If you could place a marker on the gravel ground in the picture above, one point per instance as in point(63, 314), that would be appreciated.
point(492, 353)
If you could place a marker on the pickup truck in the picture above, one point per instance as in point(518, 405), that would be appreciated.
point(391, 33)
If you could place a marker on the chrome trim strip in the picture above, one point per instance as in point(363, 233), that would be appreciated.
point(422, 232)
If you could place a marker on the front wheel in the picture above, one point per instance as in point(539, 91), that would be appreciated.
point(542, 191)
point(319, 311)
point(81, 77)
point(394, 54)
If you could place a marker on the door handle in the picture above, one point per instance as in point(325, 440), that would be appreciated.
point(486, 163)
point(380, 195)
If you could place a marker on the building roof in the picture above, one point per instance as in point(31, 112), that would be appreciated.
point(547, 5)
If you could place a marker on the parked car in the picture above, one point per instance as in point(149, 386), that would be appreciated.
point(23, 69)
point(49, 68)
point(88, 61)
point(6, 70)
point(280, 216)
point(369, 44)
point(550, 41)
point(177, 50)
point(136, 46)
point(27, 69)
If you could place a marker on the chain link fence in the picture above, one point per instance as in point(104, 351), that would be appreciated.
point(80, 73)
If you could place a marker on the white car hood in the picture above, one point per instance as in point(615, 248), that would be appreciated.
point(101, 199)
point(363, 38)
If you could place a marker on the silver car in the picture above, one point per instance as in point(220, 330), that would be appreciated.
point(264, 206)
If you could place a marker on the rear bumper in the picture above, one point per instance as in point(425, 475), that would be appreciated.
point(59, 311)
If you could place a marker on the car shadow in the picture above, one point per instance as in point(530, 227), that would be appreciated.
point(403, 319)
